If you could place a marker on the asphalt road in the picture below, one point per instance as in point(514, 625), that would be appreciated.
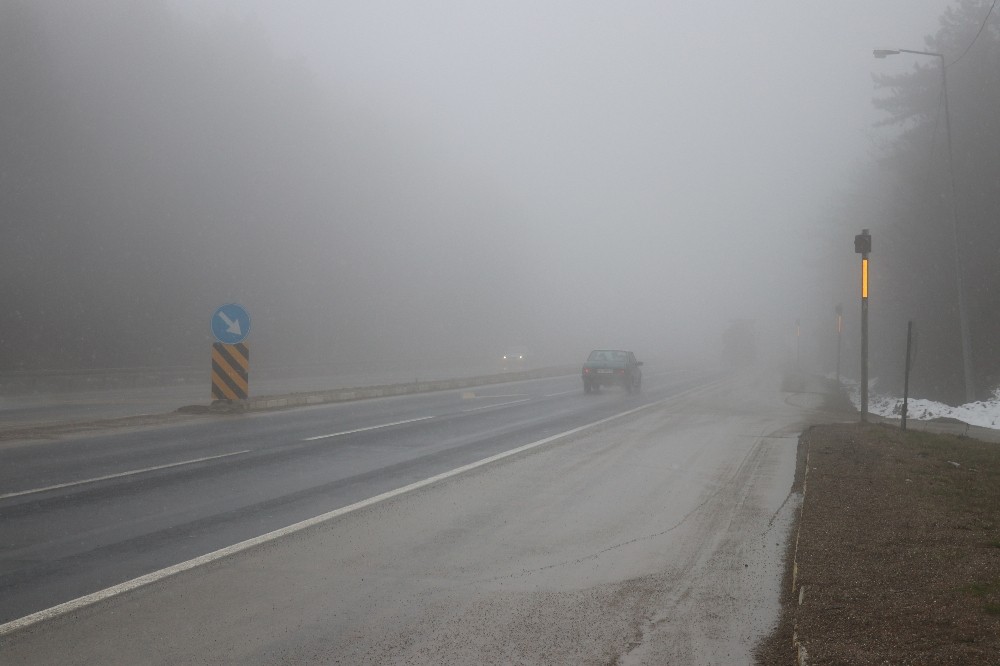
point(83, 514)
point(654, 537)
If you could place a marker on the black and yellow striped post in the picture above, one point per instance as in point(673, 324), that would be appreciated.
point(230, 371)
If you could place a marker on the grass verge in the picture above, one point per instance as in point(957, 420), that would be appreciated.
point(897, 557)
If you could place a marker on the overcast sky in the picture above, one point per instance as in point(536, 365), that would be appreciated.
point(673, 157)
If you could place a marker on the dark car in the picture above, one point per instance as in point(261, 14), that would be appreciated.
point(612, 367)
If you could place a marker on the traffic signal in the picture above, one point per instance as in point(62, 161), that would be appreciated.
point(863, 242)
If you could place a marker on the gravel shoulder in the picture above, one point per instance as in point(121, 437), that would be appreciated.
point(898, 551)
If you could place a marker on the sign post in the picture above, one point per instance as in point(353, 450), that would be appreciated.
point(863, 246)
point(230, 354)
point(798, 336)
point(840, 329)
point(906, 374)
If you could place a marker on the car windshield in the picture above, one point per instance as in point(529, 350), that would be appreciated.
point(607, 356)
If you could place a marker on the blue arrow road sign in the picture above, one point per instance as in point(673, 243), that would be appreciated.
point(231, 324)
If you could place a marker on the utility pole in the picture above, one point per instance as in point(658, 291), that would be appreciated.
point(963, 311)
point(863, 246)
point(840, 329)
point(798, 335)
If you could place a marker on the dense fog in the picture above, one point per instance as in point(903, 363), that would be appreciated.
point(404, 184)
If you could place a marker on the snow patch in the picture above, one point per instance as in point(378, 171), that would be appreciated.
point(982, 413)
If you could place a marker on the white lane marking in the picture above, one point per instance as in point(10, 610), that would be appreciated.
point(511, 395)
point(120, 474)
point(376, 427)
point(499, 404)
point(150, 578)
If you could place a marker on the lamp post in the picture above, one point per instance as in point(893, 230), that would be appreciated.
point(963, 320)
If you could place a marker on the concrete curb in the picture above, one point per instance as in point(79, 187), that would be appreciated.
point(941, 427)
point(274, 402)
point(801, 655)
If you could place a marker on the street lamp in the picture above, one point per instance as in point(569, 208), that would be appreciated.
point(963, 321)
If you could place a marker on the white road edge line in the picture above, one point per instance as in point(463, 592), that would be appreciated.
point(120, 474)
point(351, 432)
point(150, 578)
point(498, 404)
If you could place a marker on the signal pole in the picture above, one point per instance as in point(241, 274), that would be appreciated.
point(840, 329)
point(798, 335)
point(863, 246)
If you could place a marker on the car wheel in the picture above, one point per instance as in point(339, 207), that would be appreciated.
point(586, 386)
point(629, 386)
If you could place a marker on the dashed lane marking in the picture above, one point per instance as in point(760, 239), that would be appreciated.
point(375, 427)
point(119, 475)
point(499, 404)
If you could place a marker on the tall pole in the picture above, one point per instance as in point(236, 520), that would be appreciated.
point(963, 315)
point(863, 246)
point(840, 329)
point(798, 335)
point(906, 374)
point(864, 343)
